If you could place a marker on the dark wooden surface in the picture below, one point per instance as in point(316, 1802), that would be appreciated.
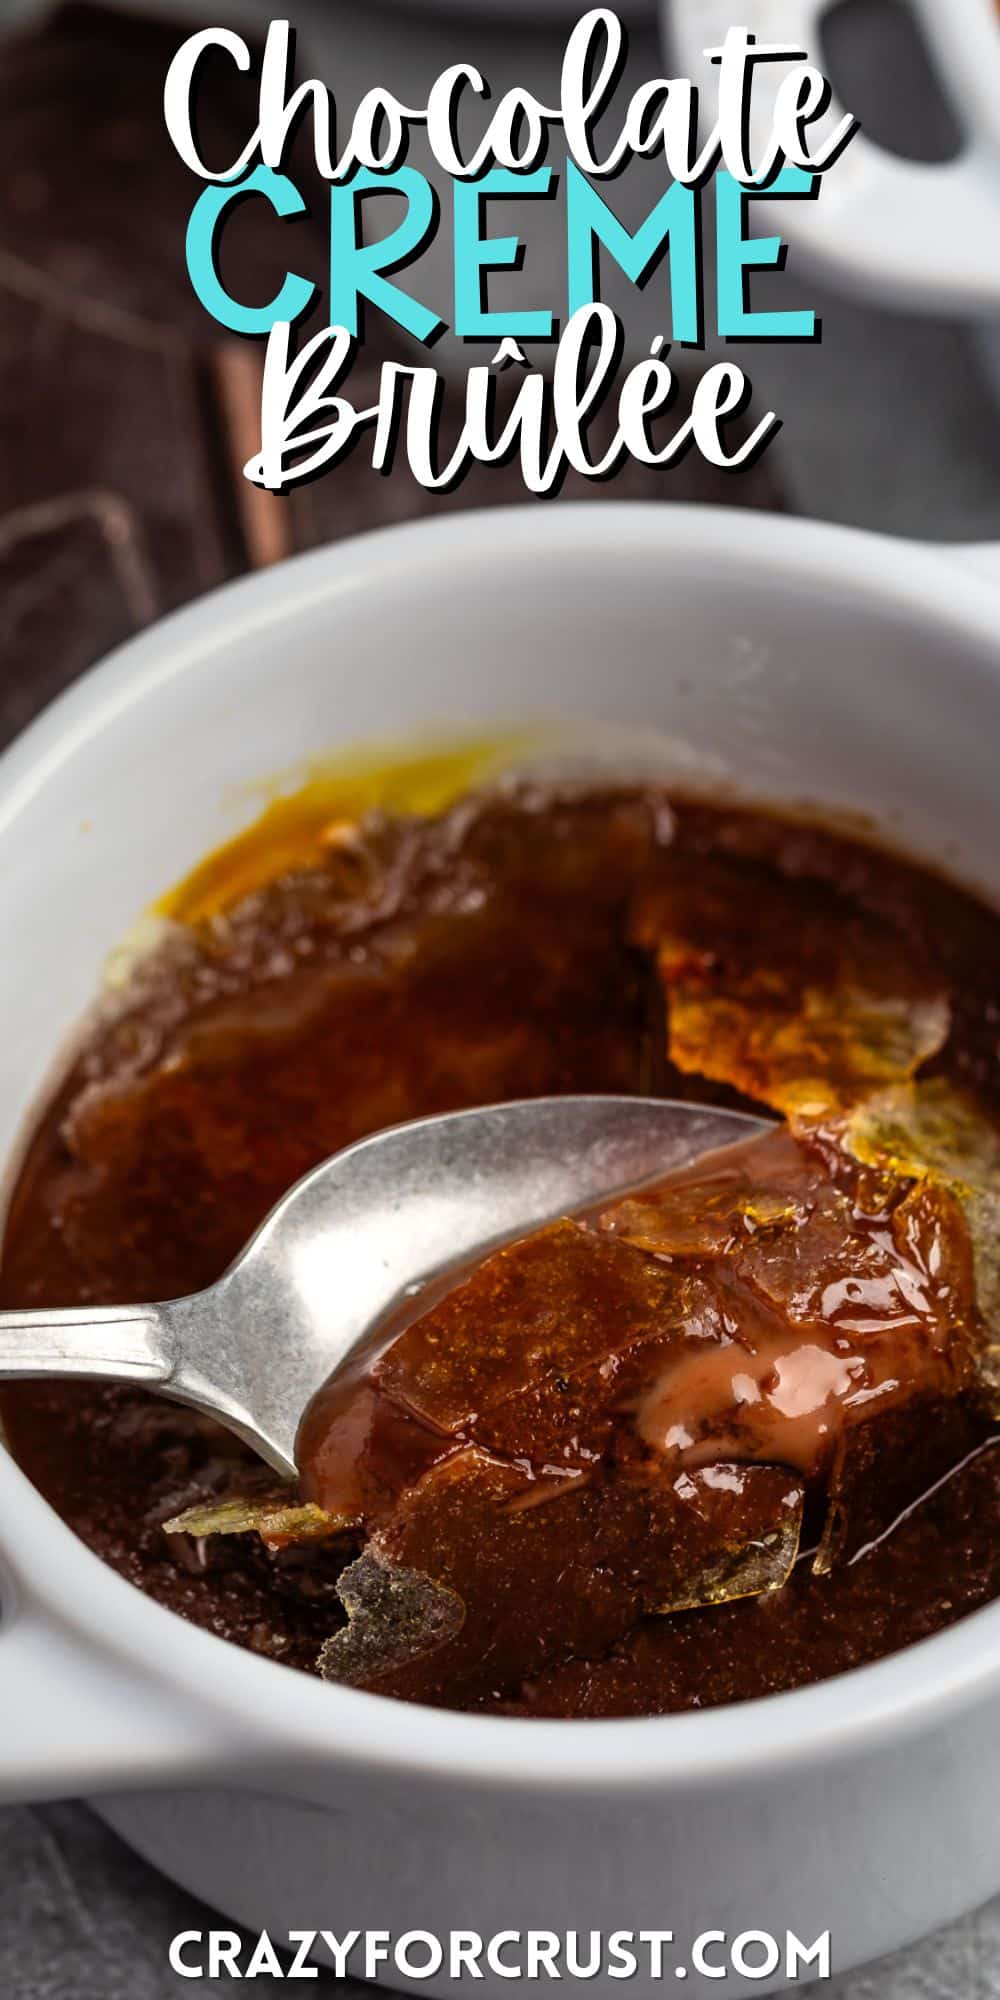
point(124, 412)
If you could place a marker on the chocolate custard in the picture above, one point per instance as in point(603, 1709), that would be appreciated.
point(736, 1434)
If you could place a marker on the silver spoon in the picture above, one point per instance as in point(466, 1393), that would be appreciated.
point(356, 1240)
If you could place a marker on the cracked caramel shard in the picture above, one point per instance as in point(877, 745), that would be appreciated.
point(742, 1565)
point(885, 1467)
point(609, 1422)
point(279, 1519)
point(539, 1310)
point(939, 1136)
point(498, 1452)
point(837, 1295)
point(395, 1616)
point(783, 989)
point(549, 1569)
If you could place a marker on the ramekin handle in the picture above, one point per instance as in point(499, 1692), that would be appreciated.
point(982, 557)
point(904, 230)
point(78, 1722)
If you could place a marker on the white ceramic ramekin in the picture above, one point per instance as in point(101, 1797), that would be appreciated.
point(912, 234)
point(799, 662)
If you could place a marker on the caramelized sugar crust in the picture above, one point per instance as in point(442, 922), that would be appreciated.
point(733, 1436)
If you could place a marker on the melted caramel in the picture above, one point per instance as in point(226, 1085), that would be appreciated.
point(310, 815)
point(576, 1349)
point(825, 1311)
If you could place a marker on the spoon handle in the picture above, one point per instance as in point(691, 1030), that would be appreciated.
point(127, 1343)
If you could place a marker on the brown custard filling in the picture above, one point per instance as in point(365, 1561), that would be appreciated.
point(736, 1433)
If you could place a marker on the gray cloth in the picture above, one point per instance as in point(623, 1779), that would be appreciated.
point(82, 1918)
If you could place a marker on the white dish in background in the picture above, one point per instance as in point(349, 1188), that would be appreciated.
point(922, 236)
point(803, 662)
